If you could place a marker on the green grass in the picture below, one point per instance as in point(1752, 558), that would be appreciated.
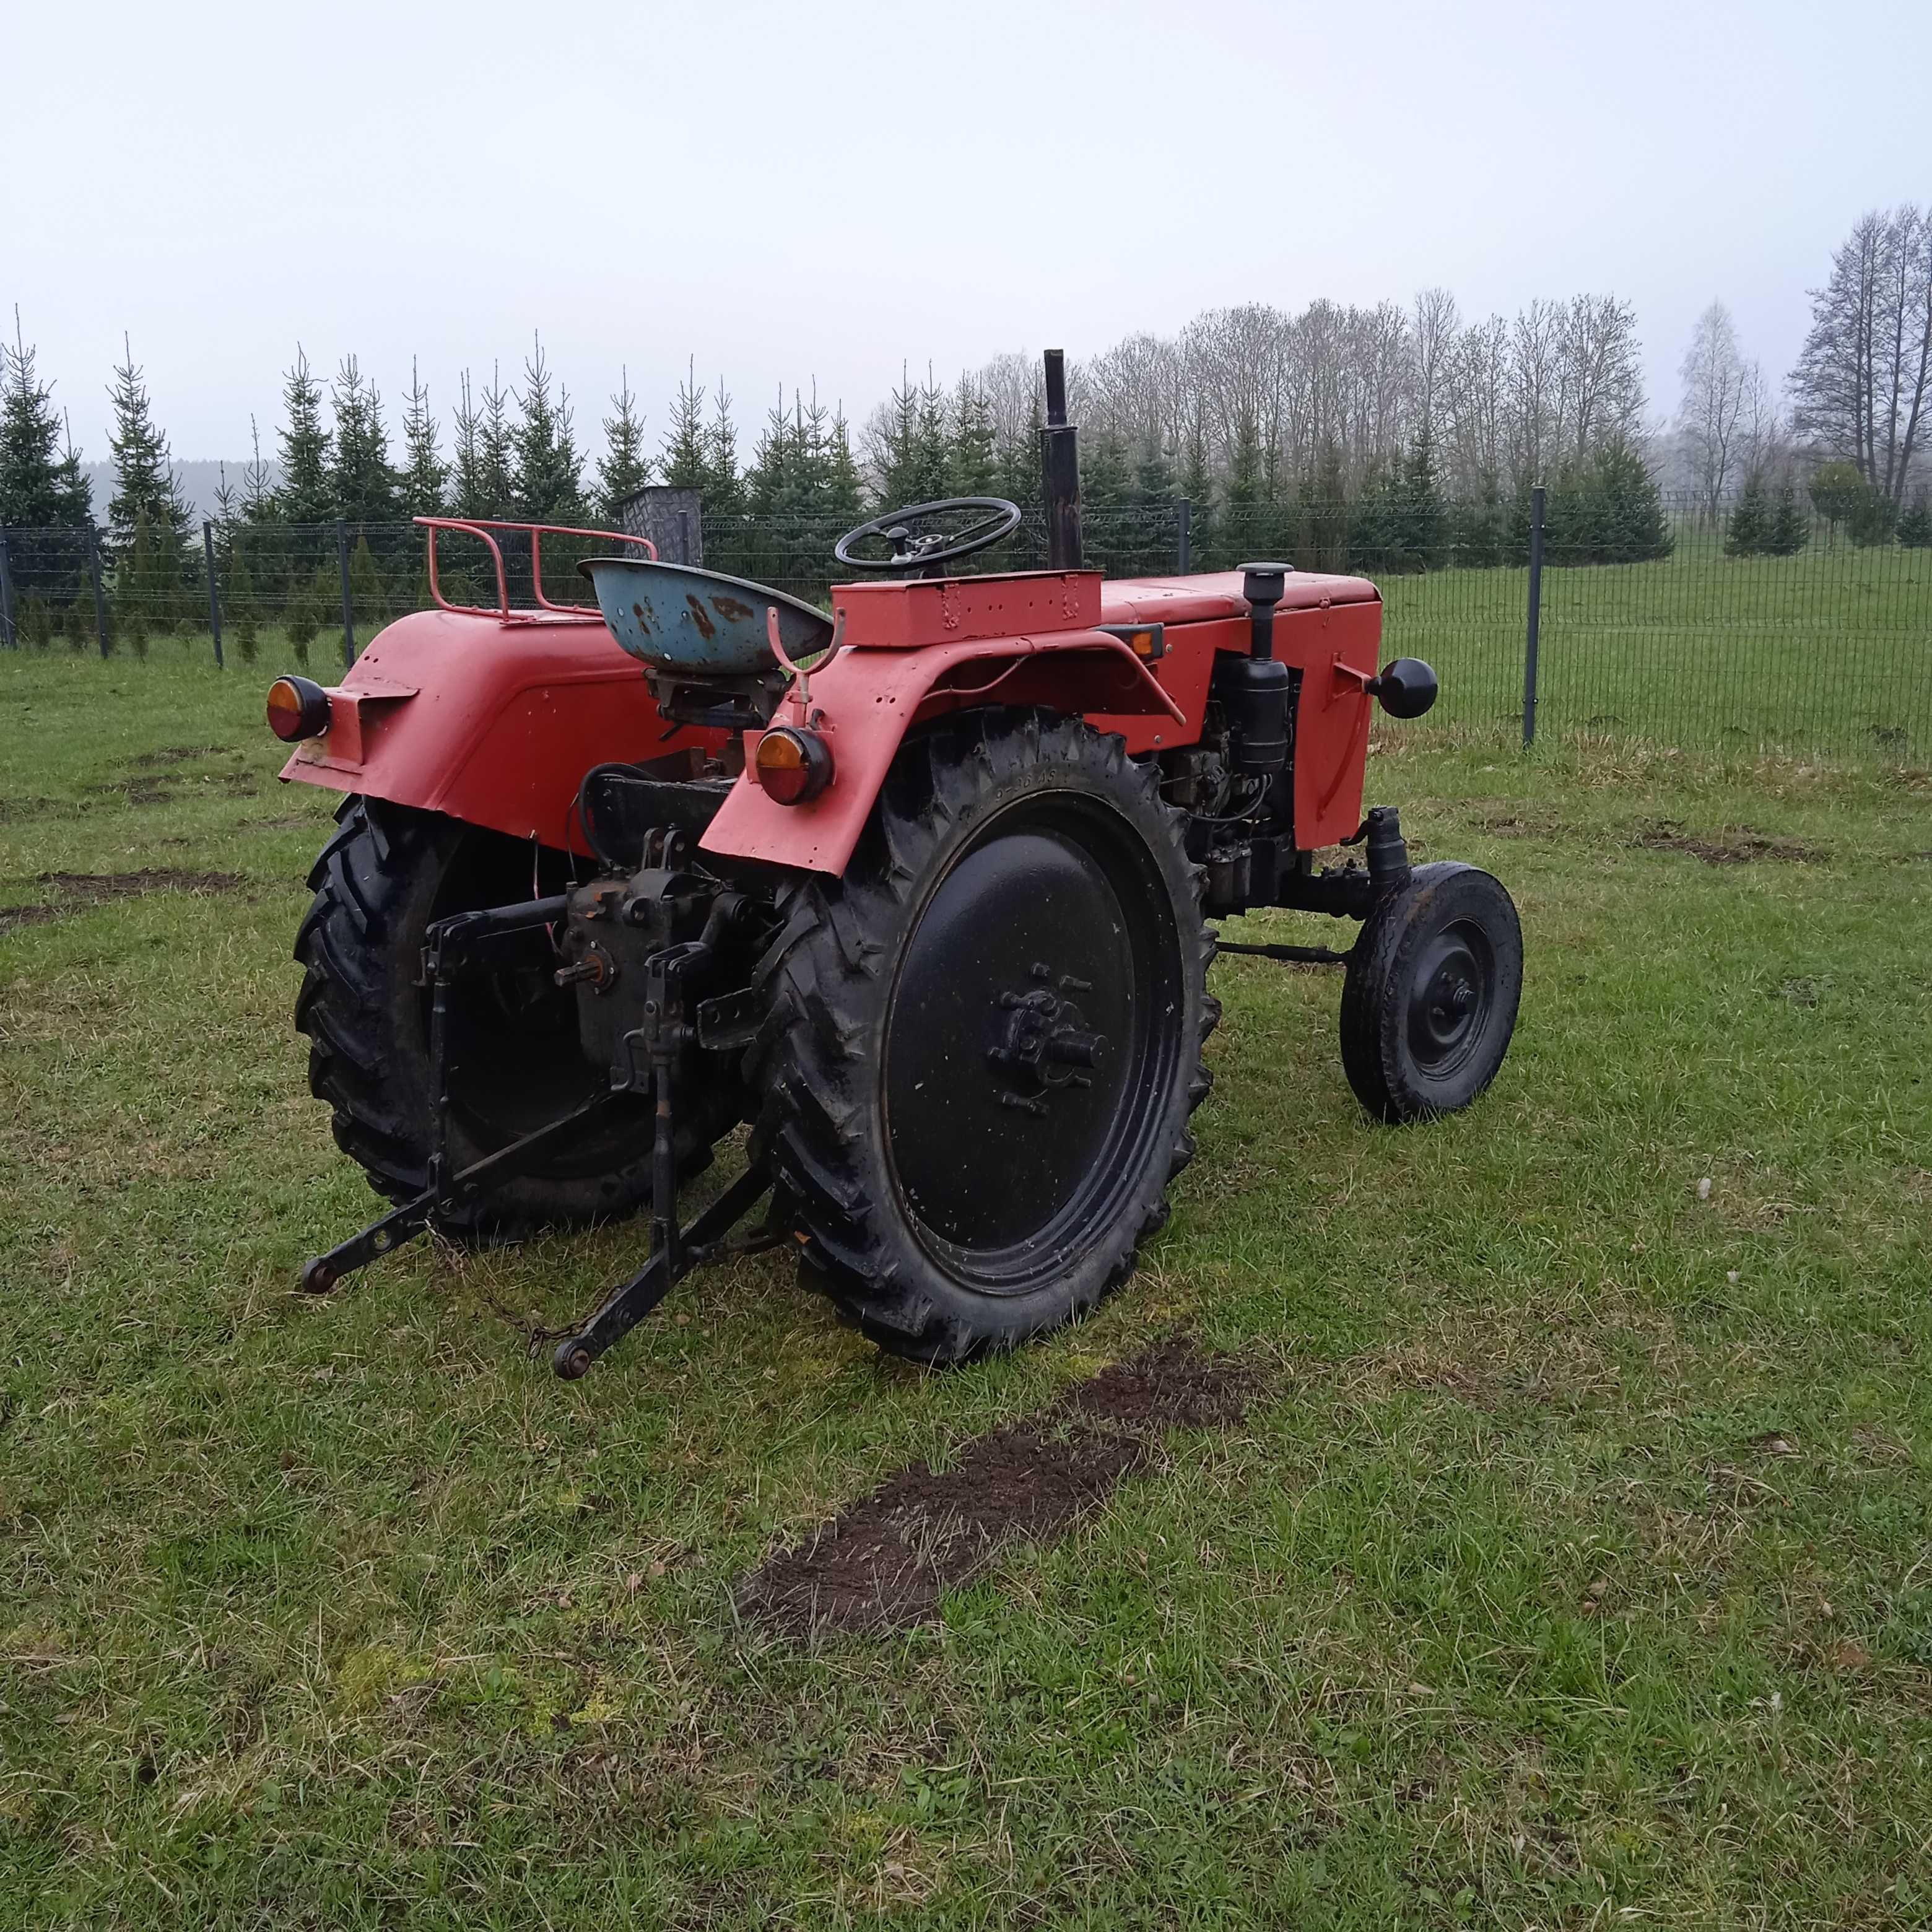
point(1507, 1605)
point(1830, 651)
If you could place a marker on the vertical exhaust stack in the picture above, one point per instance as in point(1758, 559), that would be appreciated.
point(1059, 471)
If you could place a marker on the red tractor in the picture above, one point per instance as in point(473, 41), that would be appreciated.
point(920, 889)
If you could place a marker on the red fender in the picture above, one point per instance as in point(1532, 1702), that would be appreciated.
point(865, 701)
point(491, 722)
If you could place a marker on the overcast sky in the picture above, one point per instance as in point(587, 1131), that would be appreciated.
point(788, 191)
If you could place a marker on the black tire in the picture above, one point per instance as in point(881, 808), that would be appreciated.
point(1008, 849)
point(1431, 995)
point(515, 1061)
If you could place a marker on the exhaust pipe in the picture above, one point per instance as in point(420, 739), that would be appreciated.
point(1059, 471)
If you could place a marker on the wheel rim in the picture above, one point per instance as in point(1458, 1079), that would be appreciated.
point(1451, 996)
point(1031, 1041)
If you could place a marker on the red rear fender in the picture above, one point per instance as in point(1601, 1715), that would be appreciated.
point(866, 700)
point(493, 723)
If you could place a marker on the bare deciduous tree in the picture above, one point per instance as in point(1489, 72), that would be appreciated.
point(1862, 387)
point(1723, 416)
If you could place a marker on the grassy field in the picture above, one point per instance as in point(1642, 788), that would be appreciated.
point(1830, 651)
point(1569, 1569)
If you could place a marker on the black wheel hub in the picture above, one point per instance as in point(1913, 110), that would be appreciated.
point(1028, 1040)
point(1047, 1041)
point(1449, 997)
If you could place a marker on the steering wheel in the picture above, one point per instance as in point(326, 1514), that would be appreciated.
point(997, 518)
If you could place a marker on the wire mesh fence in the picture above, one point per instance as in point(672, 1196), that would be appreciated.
point(1710, 628)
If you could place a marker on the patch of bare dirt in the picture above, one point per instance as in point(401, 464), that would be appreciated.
point(1517, 823)
point(81, 891)
point(1742, 847)
point(883, 1562)
point(177, 755)
point(166, 787)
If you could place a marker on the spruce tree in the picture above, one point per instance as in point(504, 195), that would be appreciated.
point(40, 488)
point(1196, 489)
point(424, 482)
point(362, 480)
point(1632, 527)
point(844, 494)
point(1153, 474)
point(146, 485)
point(1106, 480)
point(1915, 527)
point(812, 454)
point(684, 458)
point(468, 494)
point(772, 485)
point(724, 487)
point(313, 600)
point(1748, 532)
point(304, 494)
point(896, 452)
point(937, 460)
point(259, 502)
point(974, 459)
point(36, 623)
point(1424, 513)
point(497, 451)
point(549, 466)
point(623, 470)
point(1790, 529)
point(368, 596)
point(133, 574)
point(238, 603)
point(75, 494)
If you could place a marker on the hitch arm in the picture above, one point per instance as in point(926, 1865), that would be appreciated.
point(406, 1222)
point(627, 1304)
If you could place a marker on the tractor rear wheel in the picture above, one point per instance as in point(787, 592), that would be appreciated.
point(515, 1062)
point(983, 1044)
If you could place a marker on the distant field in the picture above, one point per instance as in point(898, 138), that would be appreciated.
point(1829, 652)
point(1568, 1568)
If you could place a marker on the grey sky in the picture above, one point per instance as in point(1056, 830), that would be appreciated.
point(792, 191)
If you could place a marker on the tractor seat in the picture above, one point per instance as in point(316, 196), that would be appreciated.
point(1195, 600)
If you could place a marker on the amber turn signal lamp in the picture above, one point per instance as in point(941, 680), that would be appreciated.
point(298, 708)
point(792, 765)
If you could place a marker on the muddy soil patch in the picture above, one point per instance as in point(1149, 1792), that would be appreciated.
point(1520, 823)
point(1742, 847)
point(170, 787)
point(80, 891)
point(177, 754)
point(883, 1563)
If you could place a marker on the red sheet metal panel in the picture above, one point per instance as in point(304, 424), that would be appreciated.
point(865, 701)
point(901, 616)
point(504, 721)
point(1193, 600)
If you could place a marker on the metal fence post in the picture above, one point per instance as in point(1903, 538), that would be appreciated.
point(214, 591)
point(348, 603)
point(9, 635)
point(1184, 540)
point(99, 594)
point(1533, 637)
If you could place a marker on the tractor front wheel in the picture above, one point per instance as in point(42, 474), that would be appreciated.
point(983, 1044)
point(1431, 996)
